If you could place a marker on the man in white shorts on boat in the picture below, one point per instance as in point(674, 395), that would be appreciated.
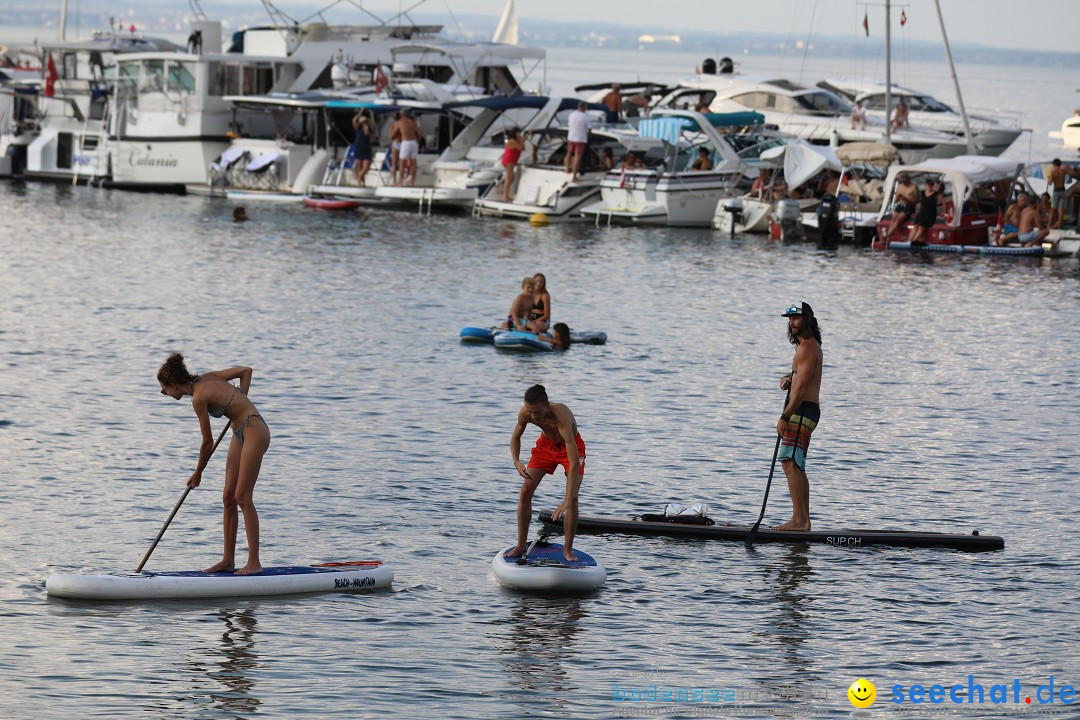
point(559, 444)
point(410, 147)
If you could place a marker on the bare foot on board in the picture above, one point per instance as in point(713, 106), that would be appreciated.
point(223, 566)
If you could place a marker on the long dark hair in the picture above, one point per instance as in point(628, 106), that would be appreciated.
point(563, 332)
point(174, 372)
point(810, 329)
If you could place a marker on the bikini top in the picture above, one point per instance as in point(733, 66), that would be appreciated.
point(538, 307)
point(220, 411)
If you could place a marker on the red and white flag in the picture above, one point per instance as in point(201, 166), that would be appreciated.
point(866, 24)
point(903, 18)
point(50, 77)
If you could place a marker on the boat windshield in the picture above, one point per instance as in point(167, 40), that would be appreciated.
point(822, 103)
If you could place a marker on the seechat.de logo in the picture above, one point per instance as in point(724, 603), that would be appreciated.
point(862, 693)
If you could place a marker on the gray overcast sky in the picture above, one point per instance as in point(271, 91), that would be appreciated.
point(1027, 24)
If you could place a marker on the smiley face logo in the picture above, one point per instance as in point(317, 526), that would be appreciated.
point(862, 693)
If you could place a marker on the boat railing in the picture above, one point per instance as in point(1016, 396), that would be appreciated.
point(1012, 119)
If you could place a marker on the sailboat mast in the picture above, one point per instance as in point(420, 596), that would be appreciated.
point(956, 83)
point(888, 72)
point(61, 33)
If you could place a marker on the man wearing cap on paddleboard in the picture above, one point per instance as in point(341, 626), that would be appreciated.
point(559, 444)
point(801, 414)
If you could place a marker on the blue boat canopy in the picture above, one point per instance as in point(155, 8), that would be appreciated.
point(735, 119)
point(665, 128)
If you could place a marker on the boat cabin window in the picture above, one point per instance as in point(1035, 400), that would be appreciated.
point(180, 77)
point(233, 78)
point(757, 100)
point(69, 66)
point(494, 80)
point(925, 103)
point(152, 77)
point(823, 103)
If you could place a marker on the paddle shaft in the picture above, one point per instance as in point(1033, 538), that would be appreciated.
point(180, 502)
point(525, 557)
point(772, 469)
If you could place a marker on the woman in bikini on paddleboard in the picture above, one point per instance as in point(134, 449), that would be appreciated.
point(213, 395)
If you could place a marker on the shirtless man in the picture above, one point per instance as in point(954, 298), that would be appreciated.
point(1032, 231)
point(1055, 180)
point(907, 197)
point(410, 147)
point(614, 104)
point(801, 414)
point(1010, 227)
point(559, 444)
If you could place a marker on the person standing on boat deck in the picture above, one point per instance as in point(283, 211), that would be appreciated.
point(410, 147)
point(1055, 179)
point(577, 135)
point(559, 444)
point(858, 116)
point(213, 395)
point(802, 413)
point(515, 143)
point(613, 102)
point(540, 312)
point(361, 146)
point(907, 197)
point(928, 210)
point(518, 318)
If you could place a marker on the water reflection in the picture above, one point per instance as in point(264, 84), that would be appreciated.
point(786, 630)
point(539, 639)
point(236, 664)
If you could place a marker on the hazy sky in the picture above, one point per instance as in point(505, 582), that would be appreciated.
point(1024, 24)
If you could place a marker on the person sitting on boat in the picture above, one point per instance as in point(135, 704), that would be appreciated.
point(540, 310)
point(703, 162)
point(632, 161)
point(515, 143)
point(362, 145)
point(928, 210)
point(858, 116)
point(761, 182)
point(607, 159)
point(1046, 209)
point(518, 318)
point(907, 197)
point(213, 395)
point(1032, 231)
point(900, 115)
point(559, 336)
point(614, 104)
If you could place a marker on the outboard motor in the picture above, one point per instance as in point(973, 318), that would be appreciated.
point(828, 218)
point(708, 67)
point(727, 66)
point(788, 220)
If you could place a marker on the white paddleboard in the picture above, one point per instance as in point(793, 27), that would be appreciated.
point(328, 577)
point(546, 569)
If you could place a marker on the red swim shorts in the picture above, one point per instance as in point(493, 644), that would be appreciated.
point(549, 455)
point(575, 147)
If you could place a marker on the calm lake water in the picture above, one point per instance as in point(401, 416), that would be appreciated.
point(948, 402)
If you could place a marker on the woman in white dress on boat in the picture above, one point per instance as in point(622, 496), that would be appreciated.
point(213, 395)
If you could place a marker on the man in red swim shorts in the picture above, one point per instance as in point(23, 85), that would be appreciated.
point(559, 444)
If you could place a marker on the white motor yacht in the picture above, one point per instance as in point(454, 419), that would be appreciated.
point(992, 132)
point(544, 191)
point(677, 191)
point(70, 108)
point(1070, 132)
point(813, 114)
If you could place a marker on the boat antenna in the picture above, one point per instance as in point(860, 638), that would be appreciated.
point(888, 73)
point(956, 83)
